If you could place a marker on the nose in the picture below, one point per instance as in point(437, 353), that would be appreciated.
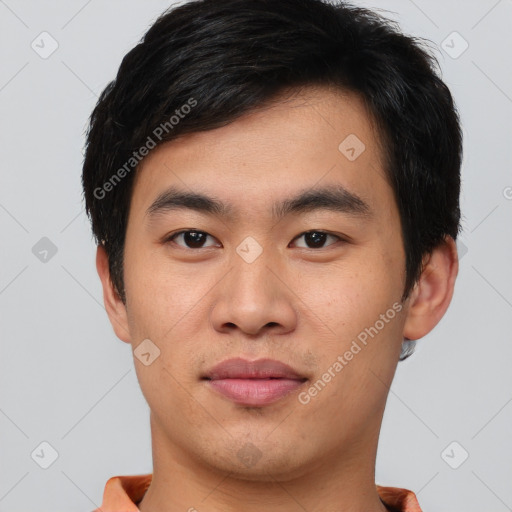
point(255, 299)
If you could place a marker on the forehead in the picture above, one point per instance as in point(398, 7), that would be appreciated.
point(304, 139)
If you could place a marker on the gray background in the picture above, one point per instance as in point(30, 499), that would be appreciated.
point(66, 380)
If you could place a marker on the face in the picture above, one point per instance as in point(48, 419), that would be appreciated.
point(298, 260)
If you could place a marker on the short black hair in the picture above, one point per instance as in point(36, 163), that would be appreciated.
point(205, 63)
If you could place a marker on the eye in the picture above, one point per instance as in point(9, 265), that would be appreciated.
point(191, 238)
point(316, 239)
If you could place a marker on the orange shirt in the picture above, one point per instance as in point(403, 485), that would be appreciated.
point(123, 492)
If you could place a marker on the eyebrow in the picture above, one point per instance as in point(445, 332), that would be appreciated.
point(334, 198)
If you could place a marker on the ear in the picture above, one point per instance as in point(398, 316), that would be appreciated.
point(114, 306)
point(433, 292)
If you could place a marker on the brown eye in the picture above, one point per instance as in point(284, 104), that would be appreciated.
point(190, 239)
point(316, 239)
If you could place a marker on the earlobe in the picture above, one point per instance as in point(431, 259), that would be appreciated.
point(433, 292)
point(114, 306)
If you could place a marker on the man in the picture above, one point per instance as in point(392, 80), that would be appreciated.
point(274, 189)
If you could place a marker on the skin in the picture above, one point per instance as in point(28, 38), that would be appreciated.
point(295, 303)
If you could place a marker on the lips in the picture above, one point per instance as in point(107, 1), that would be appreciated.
point(253, 383)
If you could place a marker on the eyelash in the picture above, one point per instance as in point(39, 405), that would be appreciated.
point(171, 238)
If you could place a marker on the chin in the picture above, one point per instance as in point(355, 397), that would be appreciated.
point(259, 461)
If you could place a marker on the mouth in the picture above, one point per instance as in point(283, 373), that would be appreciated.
point(253, 383)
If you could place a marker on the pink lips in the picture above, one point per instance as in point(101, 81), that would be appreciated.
point(253, 383)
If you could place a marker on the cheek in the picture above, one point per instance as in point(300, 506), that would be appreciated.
point(362, 311)
point(353, 295)
point(167, 304)
point(360, 304)
point(162, 294)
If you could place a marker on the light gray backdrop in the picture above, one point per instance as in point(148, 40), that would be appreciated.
point(68, 382)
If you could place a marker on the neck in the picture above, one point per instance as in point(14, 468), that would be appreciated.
point(344, 482)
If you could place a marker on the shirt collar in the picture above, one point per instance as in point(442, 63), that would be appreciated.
point(122, 493)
